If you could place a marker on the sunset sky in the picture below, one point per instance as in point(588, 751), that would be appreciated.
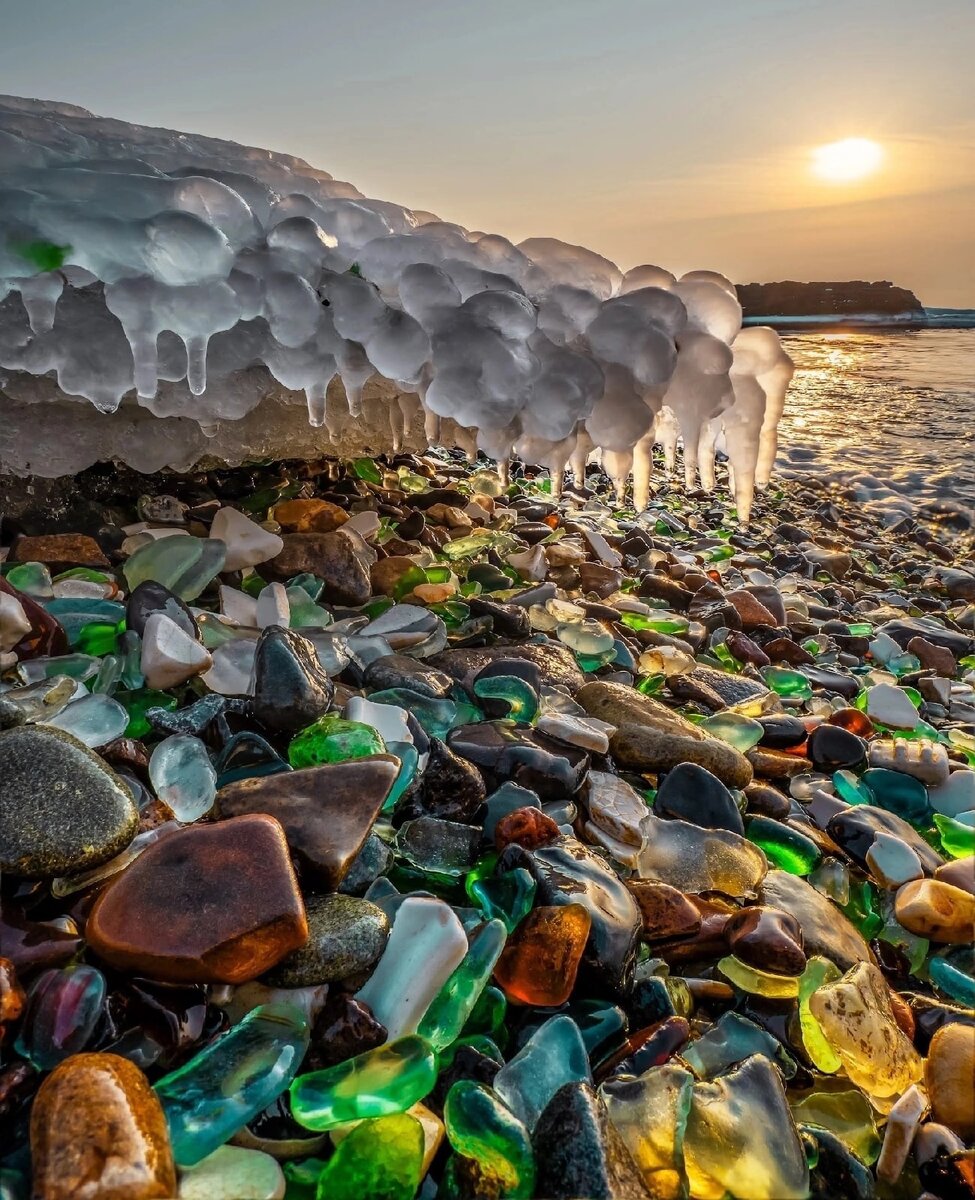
point(675, 133)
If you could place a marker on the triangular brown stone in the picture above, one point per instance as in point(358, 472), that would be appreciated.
point(207, 904)
point(327, 811)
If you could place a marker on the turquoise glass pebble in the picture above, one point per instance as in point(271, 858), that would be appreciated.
point(211, 1097)
point(898, 793)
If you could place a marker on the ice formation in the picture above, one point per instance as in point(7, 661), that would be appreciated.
point(184, 292)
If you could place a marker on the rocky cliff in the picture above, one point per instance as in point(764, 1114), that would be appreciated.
point(851, 298)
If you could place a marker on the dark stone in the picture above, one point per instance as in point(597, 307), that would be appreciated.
point(832, 681)
point(691, 793)
point(825, 930)
point(291, 688)
point(327, 812)
point(520, 753)
point(767, 938)
point(346, 935)
point(468, 1063)
point(733, 689)
point(834, 749)
point(855, 828)
point(661, 587)
point(400, 671)
point(556, 662)
point(904, 629)
point(579, 1151)
point(532, 532)
point(150, 597)
point(64, 810)
point(781, 733)
point(785, 650)
point(344, 1028)
point(745, 650)
point(569, 873)
point(450, 788)
point(763, 800)
point(373, 860)
point(193, 719)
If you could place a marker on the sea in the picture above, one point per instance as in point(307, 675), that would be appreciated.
point(886, 415)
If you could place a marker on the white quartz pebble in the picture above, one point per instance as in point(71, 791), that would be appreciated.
point(233, 1173)
point(247, 542)
point(238, 606)
point(426, 943)
point(169, 655)
point(902, 1122)
point(577, 731)
point(273, 606)
point(955, 796)
point(233, 668)
point(891, 706)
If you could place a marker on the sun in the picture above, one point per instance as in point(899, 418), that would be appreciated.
point(846, 161)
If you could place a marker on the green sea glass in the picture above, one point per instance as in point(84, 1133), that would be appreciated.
point(851, 788)
point(208, 1099)
point(388, 1079)
point(520, 697)
point(183, 564)
point(818, 971)
point(957, 835)
point(953, 973)
point(479, 1126)
point(98, 638)
point(448, 1013)
point(784, 846)
point(791, 685)
point(898, 793)
point(137, 703)
point(508, 896)
point(735, 730)
point(487, 1016)
point(331, 739)
point(381, 1159)
point(731, 1040)
point(33, 579)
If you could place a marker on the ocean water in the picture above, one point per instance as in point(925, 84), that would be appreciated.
point(890, 415)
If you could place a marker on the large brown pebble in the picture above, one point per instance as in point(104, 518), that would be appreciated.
point(330, 556)
point(936, 910)
point(98, 1131)
point(60, 550)
point(387, 572)
point(949, 1077)
point(207, 904)
point(752, 611)
point(327, 812)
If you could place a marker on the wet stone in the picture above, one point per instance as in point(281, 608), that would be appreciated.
point(148, 920)
point(329, 556)
point(346, 936)
point(693, 794)
point(768, 939)
point(327, 812)
point(291, 689)
point(449, 787)
point(399, 671)
point(504, 752)
point(855, 828)
point(567, 872)
point(64, 809)
point(98, 1130)
point(667, 913)
point(833, 749)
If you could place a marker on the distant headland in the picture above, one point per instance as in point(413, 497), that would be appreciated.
point(880, 304)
